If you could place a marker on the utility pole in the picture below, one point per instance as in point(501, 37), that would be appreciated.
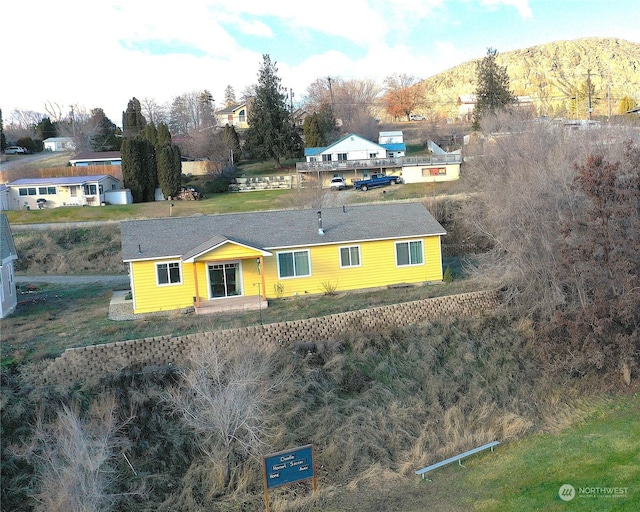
point(330, 94)
point(589, 91)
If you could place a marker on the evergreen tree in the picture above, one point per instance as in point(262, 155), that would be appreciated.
point(169, 161)
point(150, 133)
point(271, 133)
point(229, 97)
point(207, 114)
point(102, 132)
point(168, 155)
point(232, 142)
point(46, 129)
point(131, 165)
point(493, 92)
point(132, 119)
point(319, 128)
point(164, 136)
point(139, 171)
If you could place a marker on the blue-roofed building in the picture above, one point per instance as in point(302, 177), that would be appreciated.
point(35, 193)
point(353, 158)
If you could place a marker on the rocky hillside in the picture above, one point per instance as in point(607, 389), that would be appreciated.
point(550, 74)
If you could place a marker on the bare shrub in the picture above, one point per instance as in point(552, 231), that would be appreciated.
point(224, 397)
point(75, 460)
point(521, 182)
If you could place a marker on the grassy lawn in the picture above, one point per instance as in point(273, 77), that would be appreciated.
point(58, 317)
point(221, 203)
point(602, 452)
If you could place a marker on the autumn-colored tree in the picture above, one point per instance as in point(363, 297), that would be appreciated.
point(626, 104)
point(402, 95)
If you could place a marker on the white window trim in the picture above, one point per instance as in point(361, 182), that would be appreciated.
point(280, 276)
point(158, 263)
point(349, 247)
point(408, 242)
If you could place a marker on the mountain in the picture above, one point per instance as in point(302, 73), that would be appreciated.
point(550, 74)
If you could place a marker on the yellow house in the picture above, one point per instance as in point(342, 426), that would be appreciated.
point(235, 115)
point(241, 260)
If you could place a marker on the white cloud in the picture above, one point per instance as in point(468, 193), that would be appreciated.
point(522, 6)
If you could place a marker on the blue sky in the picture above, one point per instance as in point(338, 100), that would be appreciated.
point(101, 54)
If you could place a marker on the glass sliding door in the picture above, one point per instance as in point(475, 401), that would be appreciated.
point(224, 280)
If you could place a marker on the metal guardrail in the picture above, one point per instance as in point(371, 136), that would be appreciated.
point(372, 163)
point(457, 457)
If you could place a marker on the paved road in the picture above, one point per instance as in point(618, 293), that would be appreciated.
point(112, 280)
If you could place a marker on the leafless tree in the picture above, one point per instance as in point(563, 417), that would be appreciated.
point(520, 182)
point(224, 398)
point(153, 111)
point(352, 103)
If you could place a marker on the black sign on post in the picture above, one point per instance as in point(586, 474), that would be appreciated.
point(288, 467)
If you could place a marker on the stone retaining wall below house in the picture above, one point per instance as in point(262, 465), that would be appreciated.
point(95, 361)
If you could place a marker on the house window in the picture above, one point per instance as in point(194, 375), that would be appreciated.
point(294, 264)
point(42, 190)
point(22, 191)
point(350, 256)
point(342, 157)
point(29, 191)
point(168, 273)
point(326, 158)
point(373, 155)
point(90, 190)
point(51, 191)
point(409, 253)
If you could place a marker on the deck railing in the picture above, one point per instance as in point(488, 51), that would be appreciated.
point(373, 163)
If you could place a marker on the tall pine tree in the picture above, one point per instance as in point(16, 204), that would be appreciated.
point(493, 92)
point(271, 133)
point(133, 122)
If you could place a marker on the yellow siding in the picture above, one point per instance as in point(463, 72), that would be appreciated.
point(378, 268)
point(150, 297)
point(229, 251)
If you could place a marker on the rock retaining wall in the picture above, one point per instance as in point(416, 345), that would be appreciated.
point(94, 361)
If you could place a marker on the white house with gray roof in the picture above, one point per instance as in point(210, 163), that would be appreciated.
point(34, 193)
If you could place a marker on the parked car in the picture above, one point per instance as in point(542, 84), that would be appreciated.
point(416, 117)
point(12, 150)
point(376, 180)
point(338, 183)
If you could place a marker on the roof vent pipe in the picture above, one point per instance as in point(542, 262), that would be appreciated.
point(320, 230)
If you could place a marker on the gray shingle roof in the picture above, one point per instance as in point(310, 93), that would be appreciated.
point(66, 180)
point(269, 230)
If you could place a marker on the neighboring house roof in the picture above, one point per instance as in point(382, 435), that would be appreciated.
point(395, 133)
point(96, 156)
point(366, 143)
point(66, 180)
point(7, 245)
point(187, 237)
point(399, 146)
point(231, 109)
point(313, 151)
point(58, 139)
